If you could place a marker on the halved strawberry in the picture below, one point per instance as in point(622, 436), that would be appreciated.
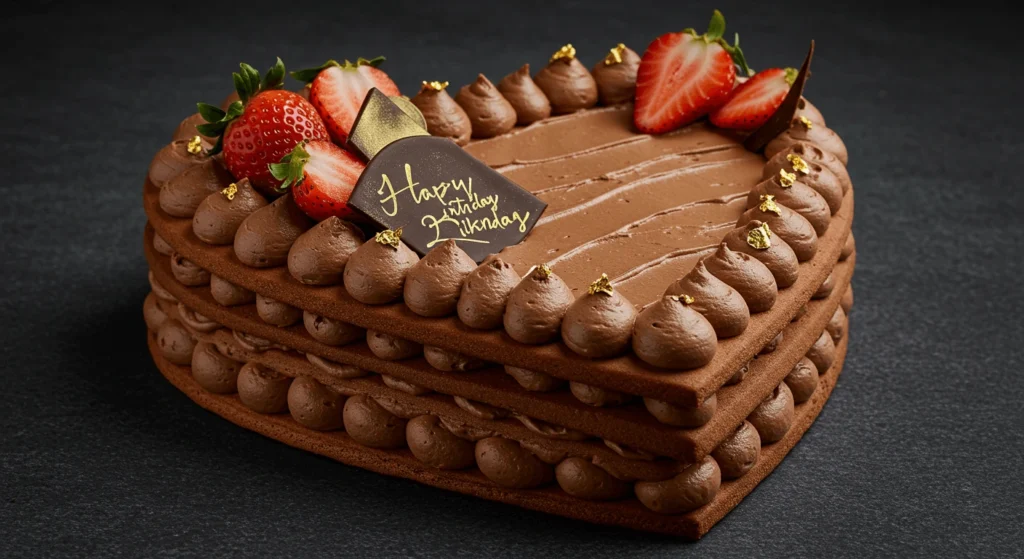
point(684, 76)
point(755, 101)
point(338, 91)
point(321, 176)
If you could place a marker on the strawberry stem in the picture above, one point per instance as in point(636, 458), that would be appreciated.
point(716, 34)
point(307, 75)
point(716, 29)
point(290, 169)
point(791, 74)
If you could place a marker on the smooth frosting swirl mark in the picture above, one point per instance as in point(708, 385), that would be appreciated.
point(489, 112)
point(536, 307)
point(375, 273)
point(615, 75)
point(599, 324)
point(788, 225)
point(182, 194)
point(567, 84)
point(264, 238)
point(485, 292)
point(444, 117)
point(722, 305)
point(777, 256)
point(220, 214)
point(319, 256)
point(525, 97)
point(672, 335)
point(433, 284)
point(747, 275)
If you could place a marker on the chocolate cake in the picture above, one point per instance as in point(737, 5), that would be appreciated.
point(561, 289)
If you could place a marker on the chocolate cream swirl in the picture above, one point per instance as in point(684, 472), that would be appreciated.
point(786, 224)
point(804, 130)
point(672, 335)
point(722, 305)
point(220, 214)
point(616, 75)
point(444, 117)
point(599, 324)
point(319, 256)
point(182, 194)
point(813, 174)
point(433, 284)
point(567, 83)
point(525, 97)
point(747, 275)
point(797, 196)
point(485, 293)
point(810, 153)
point(775, 254)
point(174, 158)
point(264, 238)
point(536, 307)
point(375, 273)
point(489, 112)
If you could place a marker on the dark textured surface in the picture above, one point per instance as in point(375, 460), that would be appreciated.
point(918, 452)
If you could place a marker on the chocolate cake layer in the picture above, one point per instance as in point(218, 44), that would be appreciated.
point(628, 512)
point(626, 374)
point(631, 425)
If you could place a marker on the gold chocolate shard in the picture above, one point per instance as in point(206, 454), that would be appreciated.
point(567, 53)
point(230, 191)
point(786, 180)
point(601, 285)
point(381, 121)
point(409, 109)
point(615, 55)
point(799, 165)
point(760, 237)
point(389, 237)
point(195, 145)
point(435, 85)
point(768, 205)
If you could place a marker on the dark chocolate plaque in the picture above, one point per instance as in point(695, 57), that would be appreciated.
point(435, 191)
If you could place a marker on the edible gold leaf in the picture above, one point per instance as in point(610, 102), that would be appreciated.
point(615, 55)
point(542, 271)
point(567, 53)
point(195, 145)
point(799, 165)
point(601, 285)
point(805, 121)
point(786, 179)
point(389, 237)
point(230, 191)
point(684, 299)
point(435, 85)
point(768, 205)
point(760, 237)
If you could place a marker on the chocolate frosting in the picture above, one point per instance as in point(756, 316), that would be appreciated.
point(175, 342)
point(435, 446)
point(219, 215)
point(262, 389)
point(277, 313)
point(371, 425)
point(188, 272)
point(836, 325)
point(787, 225)
point(525, 97)
point(817, 134)
point(391, 348)
point(551, 430)
point(695, 487)
point(263, 239)
point(375, 272)
point(739, 375)
point(802, 380)
point(485, 292)
point(812, 173)
point(196, 322)
point(433, 284)
point(773, 417)
point(568, 85)
point(450, 361)
point(534, 381)
point(482, 411)
point(847, 301)
point(187, 129)
point(682, 416)
point(536, 307)
point(152, 313)
point(849, 247)
point(159, 290)
point(822, 352)
point(314, 405)
point(672, 335)
point(339, 370)
point(173, 159)
point(318, 256)
point(508, 464)
point(810, 153)
point(616, 81)
point(404, 386)
point(799, 197)
point(747, 275)
point(445, 118)
point(597, 396)
point(330, 331)
point(162, 246)
point(489, 112)
point(805, 108)
point(465, 430)
point(582, 479)
point(737, 454)
point(722, 305)
point(778, 257)
point(182, 194)
point(229, 294)
point(212, 370)
point(825, 289)
point(599, 325)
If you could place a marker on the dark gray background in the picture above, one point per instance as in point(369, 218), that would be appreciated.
point(919, 451)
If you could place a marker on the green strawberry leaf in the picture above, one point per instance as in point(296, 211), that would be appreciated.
point(209, 112)
point(307, 75)
point(716, 29)
point(290, 169)
point(737, 55)
point(274, 78)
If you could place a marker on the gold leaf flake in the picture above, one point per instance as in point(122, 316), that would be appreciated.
point(615, 55)
point(601, 285)
point(542, 271)
point(760, 237)
point(567, 53)
point(786, 179)
point(230, 191)
point(768, 205)
point(805, 121)
point(684, 299)
point(435, 85)
point(389, 237)
point(799, 165)
point(195, 145)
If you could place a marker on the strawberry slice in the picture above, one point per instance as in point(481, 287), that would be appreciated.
point(755, 101)
point(684, 76)
point(338, 89)
point(321, 176)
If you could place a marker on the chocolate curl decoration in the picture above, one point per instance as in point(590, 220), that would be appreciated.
point(783, 116)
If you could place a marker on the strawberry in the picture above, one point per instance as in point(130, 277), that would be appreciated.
point(684, 76)
point(337, 91)
point(321, 176)
point(752, 103)
point(262, 126)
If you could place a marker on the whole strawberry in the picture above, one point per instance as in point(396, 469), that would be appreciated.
point(263, 126)
point(337, 91)
point(684, 76)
